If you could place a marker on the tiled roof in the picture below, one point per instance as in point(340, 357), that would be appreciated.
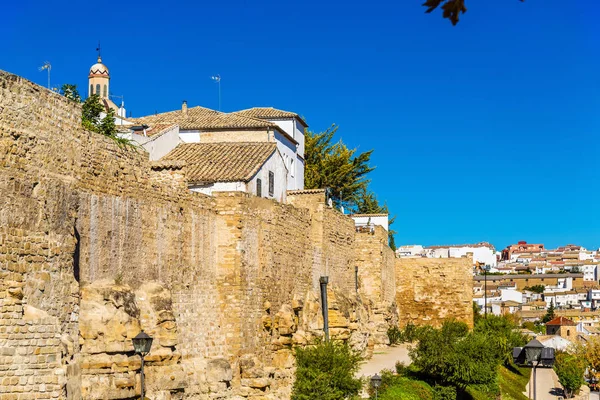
point(561, 321)
point(204, 119)
point(368, 215)
point(269, 113)
point(221, 162)
point(305, 191)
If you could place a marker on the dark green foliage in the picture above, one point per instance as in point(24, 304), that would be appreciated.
point(536, 327)
point(476, 314)
point(107, 125)
point(401, 387)
point(451, 8)
point(549, 316)
point(335, 166)
point(444, 393)
point(570, 370)
point(90, 113)
point(502, 334)
point(536, 288)
point(70, 92)
point(326, 371)
point(395, 335)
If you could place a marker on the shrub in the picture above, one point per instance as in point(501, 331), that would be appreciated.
point(326, 371)
point(444, 393)
point(570, 370)
point(395, 335)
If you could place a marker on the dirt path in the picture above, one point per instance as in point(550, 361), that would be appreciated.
point(385, 359)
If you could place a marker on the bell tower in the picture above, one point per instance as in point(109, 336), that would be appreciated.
point(99, 78)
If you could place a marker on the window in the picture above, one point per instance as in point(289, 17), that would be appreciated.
point(259, 187)
point(98, 89)
point(271, 183)
point(292, 168)
point(105, 91)
point(91, 89)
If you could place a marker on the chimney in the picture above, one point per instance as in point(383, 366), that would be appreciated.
point(184, 107)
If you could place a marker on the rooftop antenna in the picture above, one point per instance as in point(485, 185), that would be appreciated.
point(217, 78)
point(48, 67)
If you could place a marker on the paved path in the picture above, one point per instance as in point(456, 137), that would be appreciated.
point(547, 384)
point(594, 395)
point(385, 359)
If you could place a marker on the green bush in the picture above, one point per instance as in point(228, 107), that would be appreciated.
point(326, 371)
point(395, 335)
point(444, 393)
point(570, 370)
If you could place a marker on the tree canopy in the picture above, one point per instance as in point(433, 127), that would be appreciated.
point(344, 171)
point(335, 166)
point(451, 9)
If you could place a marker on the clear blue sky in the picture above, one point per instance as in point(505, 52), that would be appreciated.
point(484, 131)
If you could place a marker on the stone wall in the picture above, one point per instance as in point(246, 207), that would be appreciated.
point(431, 290)
point(96, 243)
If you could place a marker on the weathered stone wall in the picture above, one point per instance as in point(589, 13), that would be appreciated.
point(431, 290)
point(96, 242)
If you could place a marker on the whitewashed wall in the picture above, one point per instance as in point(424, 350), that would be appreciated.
point(276, 164)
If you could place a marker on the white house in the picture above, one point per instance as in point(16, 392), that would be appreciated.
point(369, 220)
point(412, 250)
point(483, 253)
point(292, 124)
point(590, 272)
point(255, 168)
point(202, 125)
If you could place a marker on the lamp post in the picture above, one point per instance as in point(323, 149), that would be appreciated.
point(142, 344)
point(324, 280)
point(532, 355)
point(375, 383)
point(486, 268)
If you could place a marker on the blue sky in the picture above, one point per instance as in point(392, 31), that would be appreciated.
point(484, 131)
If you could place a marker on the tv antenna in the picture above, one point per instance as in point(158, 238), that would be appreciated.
point(48, 67)
point(217, 78)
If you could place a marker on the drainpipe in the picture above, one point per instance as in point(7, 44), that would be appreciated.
point(323, 281)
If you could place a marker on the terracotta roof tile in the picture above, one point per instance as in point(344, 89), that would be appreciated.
point(221, 162)
point(269, 113)
point(561, 321)
point(203, 119)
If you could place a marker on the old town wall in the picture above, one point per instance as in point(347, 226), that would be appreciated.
point(431, 290)
point(94, 236)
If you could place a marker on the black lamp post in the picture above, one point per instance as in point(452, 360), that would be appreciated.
point(533, 355)
point(375, 382)
point(142, 344)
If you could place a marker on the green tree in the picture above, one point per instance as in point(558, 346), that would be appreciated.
point(326, 371)
point(367, 204)
point(569, 369)
point(91, 111)
point(70, 92)
point(107, 125)
point(335, 166)
point(549, 314)
point(536, 288)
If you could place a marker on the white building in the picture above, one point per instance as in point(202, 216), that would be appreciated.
point(412, 250)
point(483, 253)
point(370, 220)
point(590, 272)
point(202, 125)
point(255, 168)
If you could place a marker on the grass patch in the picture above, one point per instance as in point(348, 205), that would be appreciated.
point(513, 382)
point(407, 389)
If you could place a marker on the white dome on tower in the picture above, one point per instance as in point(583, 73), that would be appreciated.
point(99, 69)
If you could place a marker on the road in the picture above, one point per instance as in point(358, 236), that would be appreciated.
point(547, 385)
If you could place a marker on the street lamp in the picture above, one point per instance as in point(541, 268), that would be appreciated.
point(532, 355)
point(376, 382)
point(142, 344)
